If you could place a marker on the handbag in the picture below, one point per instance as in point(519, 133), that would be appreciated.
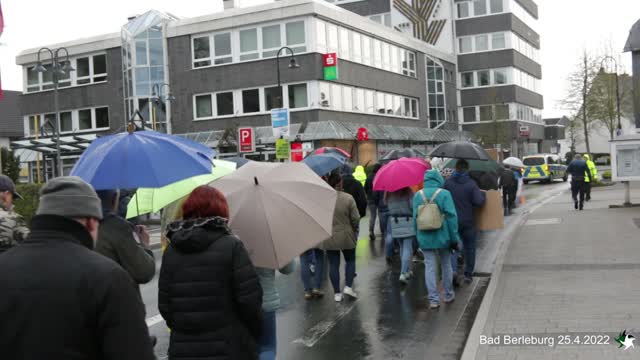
point(429, 215)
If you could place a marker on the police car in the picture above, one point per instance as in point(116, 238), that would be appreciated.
point(544, 168)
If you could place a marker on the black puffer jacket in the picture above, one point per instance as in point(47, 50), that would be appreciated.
point(209, 293)
point(354, 188)
point(61, 300)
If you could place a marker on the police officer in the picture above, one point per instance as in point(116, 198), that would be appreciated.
point(13, 228)
point(587, 180)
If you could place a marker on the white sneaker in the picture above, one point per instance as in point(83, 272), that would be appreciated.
point(349, 291)
point(337, 297)
point(404, 279)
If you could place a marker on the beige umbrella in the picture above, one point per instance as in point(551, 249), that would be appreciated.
point(278, 210)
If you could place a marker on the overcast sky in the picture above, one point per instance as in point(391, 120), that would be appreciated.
point(566, 27)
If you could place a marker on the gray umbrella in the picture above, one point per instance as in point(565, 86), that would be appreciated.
point(403, 153)
point(460, 150)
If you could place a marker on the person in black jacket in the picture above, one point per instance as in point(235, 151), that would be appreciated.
point(209, 292)
point(61, 300)
point(354, 188)
point(374, 200)
point(578, 169)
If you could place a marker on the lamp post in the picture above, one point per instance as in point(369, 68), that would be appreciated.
point(293, 64)
point(158, 97)
point(619, 131)
point(57, 68)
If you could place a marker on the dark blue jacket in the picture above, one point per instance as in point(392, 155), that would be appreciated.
point(466, 195)
point(578, 169)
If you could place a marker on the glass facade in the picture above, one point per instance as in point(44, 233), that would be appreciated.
point(436, 95)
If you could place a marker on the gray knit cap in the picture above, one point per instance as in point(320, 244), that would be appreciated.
point(71, 197)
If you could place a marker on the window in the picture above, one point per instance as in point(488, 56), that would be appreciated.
point(321, 35)
point(102, 117)
point(356, 47)
point(388, 103)
point(273, 97)
point(296, 39)
point(271, 41)
point(224, 103)
point(201, 52)
point(377, 53)
point(33, 80)
point(469, 114)
point(345, 47)
point(332, 38)
point(358, 100)
point(84, 119)
point(463, 10)
point(336, 96)
point(83, 72)
point(222, 47)
point(533, 161)
point(496, 6)
point(386, 57)
point(204, 107)
point(249, 44)
point(395, 59)
point(479, 7)
point(502, 112)
point(465, 45)
point(99, 68)
point(484, 78)
point(370, 101)
point(499, 76)
point(141, 53)
point(251, 101)
point(366, 50)
point(66, 121)
point(91, 69)
point(486, 113)
point(498, 41)
point(482, 43)
point(325, 95)
point(347, 98)
point(467, 79)
point(408, 63)
point(298, 96)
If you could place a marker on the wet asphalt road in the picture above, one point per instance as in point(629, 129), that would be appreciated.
point(388, 321)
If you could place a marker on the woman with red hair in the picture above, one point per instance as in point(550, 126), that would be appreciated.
point(208, 291)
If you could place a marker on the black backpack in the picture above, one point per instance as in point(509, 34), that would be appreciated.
point(508, 179)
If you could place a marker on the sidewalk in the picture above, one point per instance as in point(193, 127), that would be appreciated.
point(566, 272)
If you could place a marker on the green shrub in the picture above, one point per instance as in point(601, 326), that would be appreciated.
point(606, 175)
point(27, 207)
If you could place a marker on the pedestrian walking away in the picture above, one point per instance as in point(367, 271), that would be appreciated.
point(466, 196)
point(402, 230)
point(436, 243)
point(353, 187)
point(372, 203)
point(360, 175)
point(208, 291)
point(124, 243)
point(60, 299)
point(589, 180)
point(13, 228)
point(312, 273)
point(509, 186)
point(579, 172)
point(267, 342)
point(346, 221)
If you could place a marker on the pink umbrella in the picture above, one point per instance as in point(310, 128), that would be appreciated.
point(401, 173)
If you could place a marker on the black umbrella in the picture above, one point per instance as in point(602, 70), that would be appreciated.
point(460, 150)
point(403, 153)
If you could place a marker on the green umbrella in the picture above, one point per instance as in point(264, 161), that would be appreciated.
point(476, 165)
point(150, 200)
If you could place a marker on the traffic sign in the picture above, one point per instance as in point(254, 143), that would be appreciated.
point(246, 140)
point(280, 122)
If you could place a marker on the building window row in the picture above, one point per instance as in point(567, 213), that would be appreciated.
point(501, 112)
point(249, 101)
point(498, 77)
point(435, 90)
point(497, 41)
point(352, 99)
point(524, 47)
point(88, 70)
point(474, 8)
point(522, 14)
point(71, 121)
point(383, 19)
point(248, 44)
point(354, 46)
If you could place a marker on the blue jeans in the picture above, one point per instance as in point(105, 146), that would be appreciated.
point(454, 257)
point(468, 235)
point(431, 274)
point(407, 254)
point(384, 220)
point(312, 281)
point(388, 241)
point(373, 215)
point(267, 341)
point(334, 267)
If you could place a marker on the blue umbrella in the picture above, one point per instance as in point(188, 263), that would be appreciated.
point(323, 164)
point(146, 159)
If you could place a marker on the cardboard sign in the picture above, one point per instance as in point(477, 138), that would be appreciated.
point(491, 215)
point(246, 140)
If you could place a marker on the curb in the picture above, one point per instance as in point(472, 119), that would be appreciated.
point(473, 339)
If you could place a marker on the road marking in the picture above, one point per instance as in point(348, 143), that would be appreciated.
point(154, 320)
point(322, 328)
point(551, 221)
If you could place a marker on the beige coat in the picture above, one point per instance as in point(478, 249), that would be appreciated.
point(346, 221)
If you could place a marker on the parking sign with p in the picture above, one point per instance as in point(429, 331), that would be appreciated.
point(246, 140)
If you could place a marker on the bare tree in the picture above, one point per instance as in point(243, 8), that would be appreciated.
point(603, 100)
point(580, 82)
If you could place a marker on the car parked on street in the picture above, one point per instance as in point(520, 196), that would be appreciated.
point(545, 168)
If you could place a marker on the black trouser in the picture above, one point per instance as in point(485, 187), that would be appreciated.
point(577, 188)
point(587, 190)
point(509, 197)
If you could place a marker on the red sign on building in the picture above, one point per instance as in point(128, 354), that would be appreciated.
point(330, 59)
point(246, 140)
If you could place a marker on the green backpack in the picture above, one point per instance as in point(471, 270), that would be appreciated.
point(429, 215)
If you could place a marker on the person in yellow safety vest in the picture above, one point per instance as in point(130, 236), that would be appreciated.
point(360, 175)
point(594, 175)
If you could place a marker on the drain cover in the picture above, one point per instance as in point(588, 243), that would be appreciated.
point(552, 221)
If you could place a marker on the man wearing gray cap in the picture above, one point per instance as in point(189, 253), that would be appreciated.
point(12, 226)
point(61, 300)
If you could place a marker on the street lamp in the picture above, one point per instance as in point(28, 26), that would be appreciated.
point(293, 64)
point(57, 69)
point(617, 87)
point(157, 92)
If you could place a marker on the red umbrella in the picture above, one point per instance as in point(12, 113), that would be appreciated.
point(331, 150)
point(401, 173)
